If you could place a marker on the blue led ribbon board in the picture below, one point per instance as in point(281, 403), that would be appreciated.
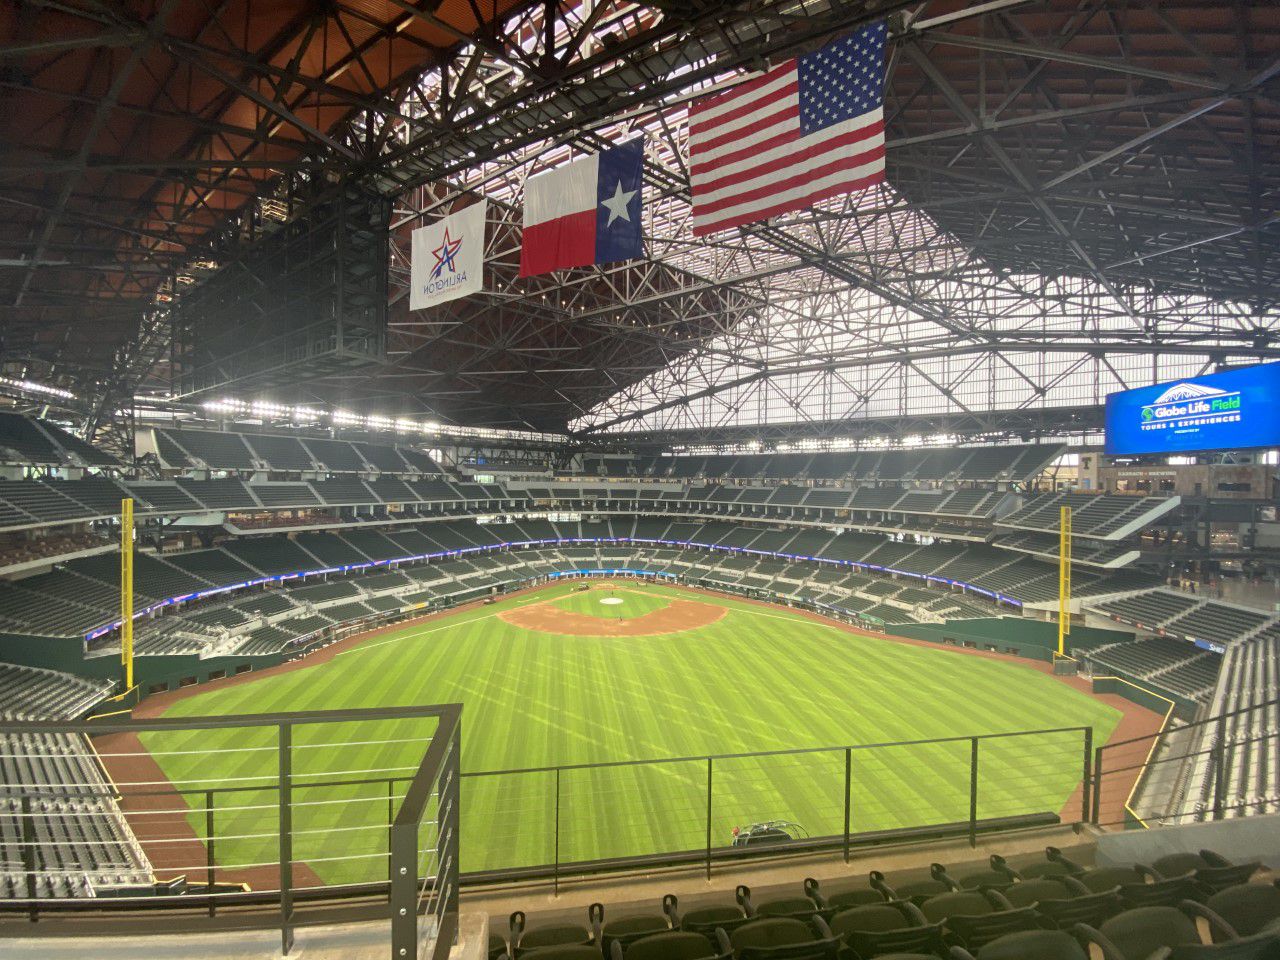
point(1235, 410)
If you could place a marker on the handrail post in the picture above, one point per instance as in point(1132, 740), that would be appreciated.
point(29, 854)
point(973, 792)
point(1097, 786)
point(848, 797)
point(1086, 780)
point(709, 818)
point(391, 818)
point(286, 839)
point(209, 849)
point(1219, 778)
point(555, 880)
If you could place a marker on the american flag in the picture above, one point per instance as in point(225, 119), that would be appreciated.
point(809, 129)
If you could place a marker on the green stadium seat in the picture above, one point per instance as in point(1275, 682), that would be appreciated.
point(562, 951)
point(1029, 892)
point(1055, 863)
point(1101, 879)
point(671, 945)
point(917, 891)
point(782, 938)
point(841, 896)
point(1213, 879)
point(704, 920)
point(1093, 909)
point(999, 876)
point(1179, 864)
point(1248, 907)
point(1047, 868)
point(1140, 933)
point(876, 918)
point(1159, 893)
point(1028, 945)
point(799, 908)
point(977, 931)
point(874, 930)
point(523, 941)
point(623, 930)
point(961, 903)
point(1261, 946)
point(1211, 870)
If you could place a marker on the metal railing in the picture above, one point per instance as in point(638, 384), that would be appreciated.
point(304, 813)
point(290, 811)
point(425, 859)
point(550, 821)
point(1206, 770)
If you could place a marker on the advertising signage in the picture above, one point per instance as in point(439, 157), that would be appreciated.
point(1234, 410)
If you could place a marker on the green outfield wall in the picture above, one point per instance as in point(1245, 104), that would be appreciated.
point(1033, 639)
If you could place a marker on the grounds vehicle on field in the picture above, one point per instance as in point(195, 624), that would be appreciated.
point(768, 831)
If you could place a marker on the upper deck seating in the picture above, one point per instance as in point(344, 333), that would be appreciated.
point(216, 450)
point(280, 452)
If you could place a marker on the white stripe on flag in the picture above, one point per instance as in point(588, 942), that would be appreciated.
point(753, 160)
point(806, 189)
point(786, 73)
point(787, 114)
point(560, 192)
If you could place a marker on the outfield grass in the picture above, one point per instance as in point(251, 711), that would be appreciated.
point(632, 603)
point(758, 679)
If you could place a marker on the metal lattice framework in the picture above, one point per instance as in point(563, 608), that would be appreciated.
point(1080, 198)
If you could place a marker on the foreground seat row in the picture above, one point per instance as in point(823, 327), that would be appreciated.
point(1054, 910)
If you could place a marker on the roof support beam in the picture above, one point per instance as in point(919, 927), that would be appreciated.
point(154, 30)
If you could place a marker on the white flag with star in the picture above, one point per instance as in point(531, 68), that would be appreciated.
point(448, 258)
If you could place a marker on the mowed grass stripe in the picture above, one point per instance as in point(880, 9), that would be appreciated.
point(633, 603)
point(758, 679)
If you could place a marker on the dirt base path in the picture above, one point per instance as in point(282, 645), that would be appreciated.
point(158, 813)
point(676, 617)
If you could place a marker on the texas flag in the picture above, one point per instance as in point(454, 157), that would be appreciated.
point(585, 212)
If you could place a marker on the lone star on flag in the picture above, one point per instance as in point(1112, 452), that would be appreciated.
point(617, 204)
point(445, 254)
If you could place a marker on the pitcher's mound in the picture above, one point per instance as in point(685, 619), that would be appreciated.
point(675, 617)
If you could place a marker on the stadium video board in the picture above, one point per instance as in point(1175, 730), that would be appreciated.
point(1233, 410)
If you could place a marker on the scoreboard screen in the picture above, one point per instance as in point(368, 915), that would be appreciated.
point(1233, 410)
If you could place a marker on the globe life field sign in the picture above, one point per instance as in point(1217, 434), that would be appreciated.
point(1222, 411)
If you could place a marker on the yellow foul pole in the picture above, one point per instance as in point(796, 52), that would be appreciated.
point(1064, 580)
point(126, 590)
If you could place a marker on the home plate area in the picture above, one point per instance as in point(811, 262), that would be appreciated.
point(610, 611)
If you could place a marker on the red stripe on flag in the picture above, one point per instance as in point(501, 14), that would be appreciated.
point(568, 241)
point(774, 186)
point(790, 135)
point(743, 109)
point(746, 87)
point(786, 114)
point(782, 163)
point(798, 203)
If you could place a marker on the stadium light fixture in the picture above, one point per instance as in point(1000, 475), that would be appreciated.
point(36, 389)
point(300, 416)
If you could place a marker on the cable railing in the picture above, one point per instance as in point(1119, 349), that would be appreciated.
point(1216, 768)
point(553, 821)
point(208, 813)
